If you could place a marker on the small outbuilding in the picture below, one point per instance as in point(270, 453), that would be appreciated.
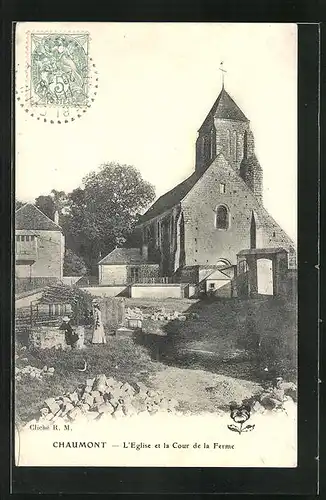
point(125, 266)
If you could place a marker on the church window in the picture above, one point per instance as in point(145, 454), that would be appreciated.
point(203, 146)
point(223, 263)
point(234, 141)
point(229, 142)
point(222, 188)
point(182, 257)
point(212, 143)
point(245, 145)
point(207, 147)
point(222, 218)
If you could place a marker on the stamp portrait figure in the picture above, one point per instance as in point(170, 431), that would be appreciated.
point(59, 69)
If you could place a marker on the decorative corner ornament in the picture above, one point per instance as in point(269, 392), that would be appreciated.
point(240, 414)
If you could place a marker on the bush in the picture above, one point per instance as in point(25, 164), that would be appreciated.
point(80, 301)
point(73, 264)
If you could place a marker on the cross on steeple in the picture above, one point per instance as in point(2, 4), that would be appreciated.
point(222, 71)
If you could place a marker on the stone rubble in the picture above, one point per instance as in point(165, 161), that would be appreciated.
point(159, 315)
point(275, 397)
point(103, 397)
point(33, 372)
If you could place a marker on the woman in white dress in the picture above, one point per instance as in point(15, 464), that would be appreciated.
point(99, 334)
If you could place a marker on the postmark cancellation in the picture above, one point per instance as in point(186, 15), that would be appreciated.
point(59, 69)
point(60, 79)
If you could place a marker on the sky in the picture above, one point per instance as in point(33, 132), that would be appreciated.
point(157, 82)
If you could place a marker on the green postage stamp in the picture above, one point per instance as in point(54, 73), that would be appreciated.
point(59, 69)
point(56, 79)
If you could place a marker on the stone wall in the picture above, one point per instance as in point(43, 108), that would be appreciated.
point(122, 274)
point(49, 253)
point(106, 291)
point(113, 312)
point(46, 337)
point(204, 244)
point(113, 274)
point(229, 138)
point(157, 291)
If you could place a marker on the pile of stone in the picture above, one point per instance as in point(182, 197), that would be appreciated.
point(33, 372)
point(159, 315)
point(102, 398)
point(275, 397)
point(135, 313)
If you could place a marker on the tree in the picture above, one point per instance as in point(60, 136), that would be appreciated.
point(18, 204)
point(73, 265)
point(56, 200)
point(104, 213)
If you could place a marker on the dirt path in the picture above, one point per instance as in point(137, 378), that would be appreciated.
point(189, 387)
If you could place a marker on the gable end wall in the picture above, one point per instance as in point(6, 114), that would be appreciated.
point(204, 244)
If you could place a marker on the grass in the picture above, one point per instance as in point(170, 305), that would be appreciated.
point(120, 358)
point(205, 343)
point(261, 332)
point(234, 337)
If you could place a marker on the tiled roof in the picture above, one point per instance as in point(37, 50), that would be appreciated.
point(226, 109)
point(123, 256)
point(29, 217)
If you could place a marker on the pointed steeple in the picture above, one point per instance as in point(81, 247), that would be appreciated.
point(224, 108)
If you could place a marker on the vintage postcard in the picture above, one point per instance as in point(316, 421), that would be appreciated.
point(155, 244)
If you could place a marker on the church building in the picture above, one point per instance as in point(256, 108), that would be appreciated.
point(203, 223)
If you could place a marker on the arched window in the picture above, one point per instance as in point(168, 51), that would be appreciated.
point(234, 144)
point(223, 263)
point(245, 145)
point(207, 147)
point(182, 257)
point(213, 143)
point(253, 231)
point(229, 142)
point(222, 217)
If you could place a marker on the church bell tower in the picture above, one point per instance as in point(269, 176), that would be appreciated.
point(226, 130)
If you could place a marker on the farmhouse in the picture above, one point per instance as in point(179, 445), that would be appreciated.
point(39, 245)
point(126, 265)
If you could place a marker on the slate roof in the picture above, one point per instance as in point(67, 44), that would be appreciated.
point(171, 198)
point(29, 217)
point(226, 109)
point(124, 256)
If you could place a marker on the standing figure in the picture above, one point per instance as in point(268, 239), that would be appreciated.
point(99, 334)
point(70, 336)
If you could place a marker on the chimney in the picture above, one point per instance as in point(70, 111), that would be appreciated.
point(56, 217)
